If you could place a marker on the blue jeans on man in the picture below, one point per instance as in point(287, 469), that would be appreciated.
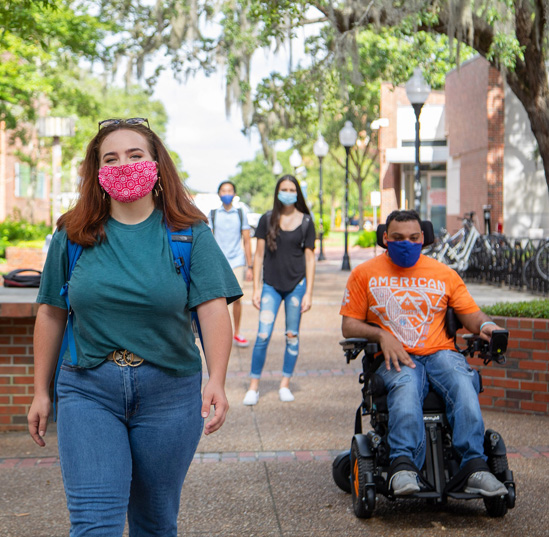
point(456, 382)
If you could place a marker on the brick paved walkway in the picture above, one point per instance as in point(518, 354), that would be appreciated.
point(520, 452)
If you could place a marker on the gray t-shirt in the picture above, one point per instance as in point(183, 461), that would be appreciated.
point(126, 293)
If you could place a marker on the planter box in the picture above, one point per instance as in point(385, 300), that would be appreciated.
point(18, 258)
point(522, 383)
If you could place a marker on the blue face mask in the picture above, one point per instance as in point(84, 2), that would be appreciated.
point(287, 198)
point(404, 253)
point(227, 199)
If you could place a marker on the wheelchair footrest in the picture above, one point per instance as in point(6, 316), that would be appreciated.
point(426, 495)
point(463, 496)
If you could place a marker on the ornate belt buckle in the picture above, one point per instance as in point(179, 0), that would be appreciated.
point(124, 358)
point(132, 360)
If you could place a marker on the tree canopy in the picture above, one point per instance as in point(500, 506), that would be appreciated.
point(208, 34)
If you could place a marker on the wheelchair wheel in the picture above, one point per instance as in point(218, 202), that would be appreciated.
point(496, 507)
point(341, 471)
point(364, 498)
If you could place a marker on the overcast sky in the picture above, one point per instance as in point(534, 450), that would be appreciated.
point(209, 144)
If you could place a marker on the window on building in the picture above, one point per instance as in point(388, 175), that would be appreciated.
point(29, 182)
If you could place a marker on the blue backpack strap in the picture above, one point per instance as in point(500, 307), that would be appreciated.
point(74, 251)
point(181, 245)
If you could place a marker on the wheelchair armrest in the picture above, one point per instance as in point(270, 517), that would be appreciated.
point(488, 350)
point(353, 346)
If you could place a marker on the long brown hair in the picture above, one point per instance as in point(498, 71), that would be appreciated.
point(85, 222)
point(274, 223)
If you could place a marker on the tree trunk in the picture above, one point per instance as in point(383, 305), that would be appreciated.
point(360, 205)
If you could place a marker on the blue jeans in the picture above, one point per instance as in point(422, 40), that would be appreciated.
point(270, 303)
point(127, 436)
point(456, 382)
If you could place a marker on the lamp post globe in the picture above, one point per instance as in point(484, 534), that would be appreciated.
point(277, 168)
point(347, 138)
point(295, 160)
point(417, 91)
point(320, 149)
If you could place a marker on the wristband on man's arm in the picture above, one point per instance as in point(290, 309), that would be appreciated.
point(485, 323)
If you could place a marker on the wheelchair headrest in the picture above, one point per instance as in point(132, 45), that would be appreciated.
point(426, 227)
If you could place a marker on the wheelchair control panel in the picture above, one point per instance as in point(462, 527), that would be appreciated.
point(493, 350)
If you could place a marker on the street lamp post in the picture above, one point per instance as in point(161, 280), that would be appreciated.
point(55, 127)
point(295, 161)
point(320, 149)
point(417, 91)
point(347, 138)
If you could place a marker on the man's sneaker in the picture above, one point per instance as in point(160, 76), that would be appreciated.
point(404, 483)
point(239, 341)
point(251, 398)
point(486, 484)
point(285, 395)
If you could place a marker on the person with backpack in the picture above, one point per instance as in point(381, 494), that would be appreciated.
point(130, 411)
point(230, 227)
point(285, 257)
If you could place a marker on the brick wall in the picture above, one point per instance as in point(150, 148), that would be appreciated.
point(522, 383)
point(16, 371)
point(17, 258)
point(475, 114)
point(495, 106)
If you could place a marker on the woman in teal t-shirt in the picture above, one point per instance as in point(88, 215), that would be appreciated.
point(131, 412)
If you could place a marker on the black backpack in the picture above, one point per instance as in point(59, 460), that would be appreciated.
point(16, 278)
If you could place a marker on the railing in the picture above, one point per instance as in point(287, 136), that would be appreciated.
point(518, 262)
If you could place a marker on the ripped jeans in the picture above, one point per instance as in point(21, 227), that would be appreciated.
point(270, 303)
point(456, 382)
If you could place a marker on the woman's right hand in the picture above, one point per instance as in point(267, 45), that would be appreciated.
point(37, 418)
point(256, 298)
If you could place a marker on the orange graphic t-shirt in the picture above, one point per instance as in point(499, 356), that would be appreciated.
point(410, 302)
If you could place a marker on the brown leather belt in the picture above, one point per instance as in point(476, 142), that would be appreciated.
point(125, 358)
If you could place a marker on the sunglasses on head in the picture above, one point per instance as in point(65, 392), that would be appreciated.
point(129, 121)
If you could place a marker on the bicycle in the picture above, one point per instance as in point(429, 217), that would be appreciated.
point(457, 249)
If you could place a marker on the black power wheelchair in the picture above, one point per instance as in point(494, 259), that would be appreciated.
point(364, 471)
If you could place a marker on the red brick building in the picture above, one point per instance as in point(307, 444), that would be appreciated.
point(477, 149)
point(24, 188)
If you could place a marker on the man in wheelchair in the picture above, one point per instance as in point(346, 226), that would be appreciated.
point(399, 300)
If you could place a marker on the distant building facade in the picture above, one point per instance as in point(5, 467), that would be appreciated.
point(476, 150)
point(24, 177)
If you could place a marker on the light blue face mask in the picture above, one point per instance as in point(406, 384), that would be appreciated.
point(287, 198)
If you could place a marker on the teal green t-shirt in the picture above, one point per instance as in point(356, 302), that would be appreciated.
point(126, 294)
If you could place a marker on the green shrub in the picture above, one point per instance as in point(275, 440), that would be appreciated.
point(366, 239)
point(325, 222)
point(535, 309)
point(12, 232)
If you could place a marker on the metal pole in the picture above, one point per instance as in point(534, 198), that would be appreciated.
point(321, 256)
point(417, 170)
point(56, 180)
point(346, 265)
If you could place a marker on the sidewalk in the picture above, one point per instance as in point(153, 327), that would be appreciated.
point(267, 472)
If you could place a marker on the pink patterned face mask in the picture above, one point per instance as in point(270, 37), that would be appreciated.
point(128, 182)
